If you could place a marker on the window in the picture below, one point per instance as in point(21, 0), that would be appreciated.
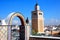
point(34, 13)
point(40, 13)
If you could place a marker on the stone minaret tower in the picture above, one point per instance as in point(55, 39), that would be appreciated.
point(37, 20)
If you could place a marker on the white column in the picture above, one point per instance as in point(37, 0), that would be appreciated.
point(27, 32)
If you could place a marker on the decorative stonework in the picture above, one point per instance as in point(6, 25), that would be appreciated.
point(3, 32)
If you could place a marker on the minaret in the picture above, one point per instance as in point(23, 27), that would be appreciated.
point(27, 29)
point(37, 20)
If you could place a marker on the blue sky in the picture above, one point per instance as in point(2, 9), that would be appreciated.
point(50, 8)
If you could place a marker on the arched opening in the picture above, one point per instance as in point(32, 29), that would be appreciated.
point(16, 21)
point(21, 27)
point(16, 28)
point(19, 16)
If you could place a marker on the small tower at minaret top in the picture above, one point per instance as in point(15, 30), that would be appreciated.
point(37, 6)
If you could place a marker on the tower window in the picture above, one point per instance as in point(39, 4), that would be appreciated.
point(40, 13)
point(34, 13)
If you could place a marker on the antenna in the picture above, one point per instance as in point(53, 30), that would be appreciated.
point(36, 1)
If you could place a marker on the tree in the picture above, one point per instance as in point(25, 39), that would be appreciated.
point(34, 32)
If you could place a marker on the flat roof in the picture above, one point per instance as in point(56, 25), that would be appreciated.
point(51, 37)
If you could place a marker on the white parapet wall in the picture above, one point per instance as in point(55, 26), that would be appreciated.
point(48, 37)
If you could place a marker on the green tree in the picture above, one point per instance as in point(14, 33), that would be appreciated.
point(34, 32)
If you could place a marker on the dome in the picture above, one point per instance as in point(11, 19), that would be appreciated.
point(37, 7)
point(2, 22)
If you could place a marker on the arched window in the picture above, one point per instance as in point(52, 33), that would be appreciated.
point(35, 14)
point(40, 13)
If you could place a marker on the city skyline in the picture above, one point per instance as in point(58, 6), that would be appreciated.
point(49, 7)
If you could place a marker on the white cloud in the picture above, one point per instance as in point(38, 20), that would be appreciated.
point(16, 22)
point(52, 21)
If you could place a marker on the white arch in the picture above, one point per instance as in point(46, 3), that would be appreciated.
point(9, 21)
point(12, 15)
